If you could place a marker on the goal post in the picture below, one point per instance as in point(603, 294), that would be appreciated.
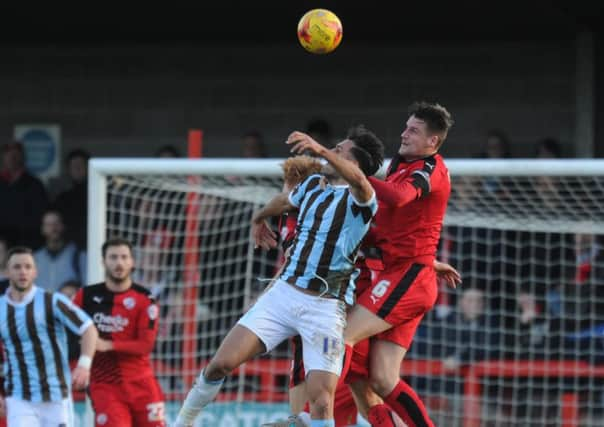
point(101, 168)
point(527, 236)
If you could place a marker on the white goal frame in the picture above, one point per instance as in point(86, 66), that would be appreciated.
point(99, 168)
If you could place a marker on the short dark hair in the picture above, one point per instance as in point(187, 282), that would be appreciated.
point(77, 153)
point(258, 137)
point(438, 119)
point(15, 145)
point(19, 250)
point(116, 241)
point(167, 149)
point(368, 149)
point(550, 144)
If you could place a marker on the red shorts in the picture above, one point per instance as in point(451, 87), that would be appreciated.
point(359, 363)
point(133, 403)
point(401, 296)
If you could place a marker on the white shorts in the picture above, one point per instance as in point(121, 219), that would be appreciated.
point(21, 413)
point(283, 312)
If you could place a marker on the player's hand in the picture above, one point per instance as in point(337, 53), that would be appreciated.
point(103, 345)
point(447, 273)
point(2, 407)
point(303, 143)
point(80, 377)
point(263, 235)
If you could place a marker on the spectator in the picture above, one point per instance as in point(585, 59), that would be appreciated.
point(73, 202)
point(252, 144)
point(23, 197)
point(4, 245)
point(3, 254)
point(153, 251)
point(167, 151)
point(581, 318)
point(497, 145)
point(548, 148)
point(320, 130)
point(466, 335)
point(59, 260)
point(532, 327)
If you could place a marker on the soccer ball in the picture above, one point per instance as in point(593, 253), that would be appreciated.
point(320, 31)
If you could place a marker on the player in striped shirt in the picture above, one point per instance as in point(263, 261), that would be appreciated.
point(32, 329)
point(309, 296)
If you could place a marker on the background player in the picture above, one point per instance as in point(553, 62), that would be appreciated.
point(123, 388)
point(38, 384)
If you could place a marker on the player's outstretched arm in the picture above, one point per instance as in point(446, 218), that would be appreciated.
point(360, 187)
point(81, 373)
point(261, 231)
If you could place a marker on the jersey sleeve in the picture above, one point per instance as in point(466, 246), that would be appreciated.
point(70, 315)
point(368, 209)
point(420, 183)
point(146, 330)
point(296, 196)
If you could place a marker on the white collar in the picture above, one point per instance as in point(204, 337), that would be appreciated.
point(338, 185)
point(26, 299)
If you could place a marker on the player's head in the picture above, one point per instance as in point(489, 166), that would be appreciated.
point(118, 259)
point(296, 169)
point(21, 268)
point(426, 130)
point(362, 147)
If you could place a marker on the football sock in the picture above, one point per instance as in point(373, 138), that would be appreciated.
point(202, 393)
point(407, 404)
point(380, 416)
point(322, 423)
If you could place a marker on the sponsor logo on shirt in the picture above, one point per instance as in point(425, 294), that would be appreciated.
point(106, 323)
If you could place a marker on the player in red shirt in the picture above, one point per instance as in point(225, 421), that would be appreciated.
point(345, 408)
point(123, 388)
point(412, 204)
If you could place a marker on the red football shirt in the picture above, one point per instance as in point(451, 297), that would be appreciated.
point(412, 203)
point(129, 319)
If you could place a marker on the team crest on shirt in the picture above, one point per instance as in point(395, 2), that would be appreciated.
point(129, 303)
point(101, 419)
point(152, 311)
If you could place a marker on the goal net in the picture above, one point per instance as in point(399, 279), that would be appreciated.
point(519, 343)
